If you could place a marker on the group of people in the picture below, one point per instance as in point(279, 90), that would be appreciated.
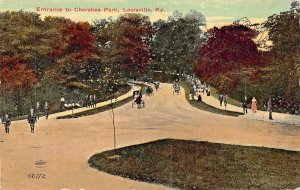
point(32, 118)
point(176, 88)
point(156, 85)
point(223, 99)
point(38, 109)
point(197, 87)
point(253, 105)
point(149, 90)
point(90, 101)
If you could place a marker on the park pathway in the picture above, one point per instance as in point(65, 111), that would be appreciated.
point(60, 148)
point(259, 115)
point(98, 105)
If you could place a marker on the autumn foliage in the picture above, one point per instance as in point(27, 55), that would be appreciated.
point(228, 56)
point(132, 41)
point(80, 41)
point(15, 75)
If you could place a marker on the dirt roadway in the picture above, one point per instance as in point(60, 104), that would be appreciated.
point(60, 148)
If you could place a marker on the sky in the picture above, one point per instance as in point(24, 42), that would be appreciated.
point(217, 12)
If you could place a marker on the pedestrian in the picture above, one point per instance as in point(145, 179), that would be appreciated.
point(221, 99)
point(86, 101)
point(62, 103)
point(225, 101)
point(270, 108)
point(37, 109)
point(94, 101)
point(254, 105)
point(245, 107)
point(90, 101)
point(6, 121)
point(199, 98)
point(208, 92)
point(31, 120)
point(46, 110)
point(16, 111)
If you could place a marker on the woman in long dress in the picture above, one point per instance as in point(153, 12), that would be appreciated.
point(254, 105)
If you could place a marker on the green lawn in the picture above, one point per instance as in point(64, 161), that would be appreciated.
point(204, 106)
point(203, 165)
point(96, 110)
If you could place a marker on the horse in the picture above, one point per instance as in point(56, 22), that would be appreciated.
point(138, 101)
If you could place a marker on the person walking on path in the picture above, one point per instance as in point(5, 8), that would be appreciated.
point(245, 110)
point(90, 100)
point(225, 100)
point(208, 91)
point(62, 103)
point(86, 100)
point(270, 108)
point(94, 101)
point(199, 98)
point(6, 121)
point(220, 99)
point(46, 110)
point(37, 110)
point(31, 120)
point(254, 105)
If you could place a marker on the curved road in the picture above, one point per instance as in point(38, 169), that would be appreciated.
point(60, 148)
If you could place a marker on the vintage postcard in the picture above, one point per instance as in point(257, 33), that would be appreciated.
point(149, 94)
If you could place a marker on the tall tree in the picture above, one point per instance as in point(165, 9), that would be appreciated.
point(134, 32)
point(125, 43)
point(284, 32)
point(17, 79)
point(73, 50)
point(228, 56)
point(22, 34)
point(176, 41)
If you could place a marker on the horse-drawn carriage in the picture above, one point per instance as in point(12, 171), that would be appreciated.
point(137, 99)
point(156, 85)
point(149, 91)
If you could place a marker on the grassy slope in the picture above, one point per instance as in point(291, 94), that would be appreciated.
point(202, 165)
point(204, 106)
point(96, 110)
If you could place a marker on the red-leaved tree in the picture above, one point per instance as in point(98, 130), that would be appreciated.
point(133, 42)
point(17, 79)
point(229, 56)
point(73, 49)
point(15, 75)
